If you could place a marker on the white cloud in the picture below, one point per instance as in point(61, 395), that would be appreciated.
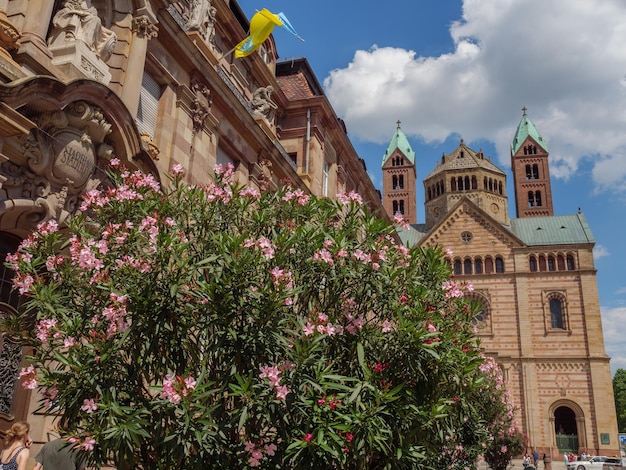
point(614, 338)
point(600, 251)
point(564, 60)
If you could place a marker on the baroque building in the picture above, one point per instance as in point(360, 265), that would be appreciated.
point(534, 285)
point(153, 83)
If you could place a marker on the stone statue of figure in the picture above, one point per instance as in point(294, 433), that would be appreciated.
point(262, 105)
point(202, 18)
point(78, 20)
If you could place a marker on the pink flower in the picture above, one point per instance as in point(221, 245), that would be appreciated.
point(270, 372)
point(281, 392)
point(400, 220)
point(190, 383)
point(308, 437)
point(89, 406)
point(308, 329)
point(23, 283)
point(270, 449)
point(177, 169)
point(387, 326)
point(88, 444)
point(344, 198)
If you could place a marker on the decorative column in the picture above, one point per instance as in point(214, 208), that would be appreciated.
point(143, 30)
point(35, 27)
point(9, 37)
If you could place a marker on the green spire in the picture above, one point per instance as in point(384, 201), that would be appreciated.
point(400, 142)
point(525, 129)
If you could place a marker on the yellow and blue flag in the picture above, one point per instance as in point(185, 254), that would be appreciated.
point(261, 26)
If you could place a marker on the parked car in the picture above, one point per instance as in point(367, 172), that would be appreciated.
point(596, 463)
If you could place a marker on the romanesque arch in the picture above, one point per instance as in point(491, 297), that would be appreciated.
point(567, 422)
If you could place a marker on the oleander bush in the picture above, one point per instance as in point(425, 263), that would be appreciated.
point(212, 326)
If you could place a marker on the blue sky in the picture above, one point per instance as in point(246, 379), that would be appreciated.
point(465, 68)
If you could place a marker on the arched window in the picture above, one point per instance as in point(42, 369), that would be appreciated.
point(528, 173)
point(500, 187)
point(457, 266)
point(482, 311)
point(551, 264)
point(401, 209)
point(538, 198)
point(401, 181)
point(499, 265)
point(535, 171)
point(453, 183)
point(429, 194)
point(394, 182)
point(488, 265)
point(542, 263)
point(467, 183)
point(570, 263)
point(478, 266)
point(395, 206)
point(485, 185)
point(531, 199)
point(533, 264)
point(459, 183)
point(560, 263)
point(467, 266)
point(490, 185)
point(474, 183)
point(556, 313)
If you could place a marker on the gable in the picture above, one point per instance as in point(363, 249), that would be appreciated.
point(484, 235)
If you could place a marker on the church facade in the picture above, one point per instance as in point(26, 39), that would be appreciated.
point(152, 83)
point(534, 284)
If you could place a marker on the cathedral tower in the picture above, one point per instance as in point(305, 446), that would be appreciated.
point(465, 173)
point(399, 178)
point(531, 175)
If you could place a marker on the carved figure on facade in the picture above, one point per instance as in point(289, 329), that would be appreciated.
point(262, 105)
point(201, 106)
point(202, 19)
point(144, 27)
point(78, 20)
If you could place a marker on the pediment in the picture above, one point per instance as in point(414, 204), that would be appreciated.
point(487, 234)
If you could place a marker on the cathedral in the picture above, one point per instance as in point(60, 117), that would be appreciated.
point(534, 282)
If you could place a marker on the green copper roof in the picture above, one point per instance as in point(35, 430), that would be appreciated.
point(553, 230)
point(400, 142)
point(525, 129)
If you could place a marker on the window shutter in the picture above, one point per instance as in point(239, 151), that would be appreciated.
point(148, 105)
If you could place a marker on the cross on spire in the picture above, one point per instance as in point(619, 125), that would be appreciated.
point(524, 109)
point(398, 123)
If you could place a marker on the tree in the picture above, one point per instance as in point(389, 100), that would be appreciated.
point(194, 327)
point(619, 391)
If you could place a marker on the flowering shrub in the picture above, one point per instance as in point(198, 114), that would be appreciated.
point(215, 327)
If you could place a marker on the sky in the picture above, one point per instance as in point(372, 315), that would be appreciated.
point(453, 69)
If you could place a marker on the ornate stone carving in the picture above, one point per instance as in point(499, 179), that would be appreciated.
point(61, 157)
point(264, 178)
point(202, 19)
point(10, 357)
point(9, 35)
point(149, 146)
point(78, 20)
point(201, 106)
point(261, 103)
point(144, 28)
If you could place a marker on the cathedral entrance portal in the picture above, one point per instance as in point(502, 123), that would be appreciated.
point(566, 429)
